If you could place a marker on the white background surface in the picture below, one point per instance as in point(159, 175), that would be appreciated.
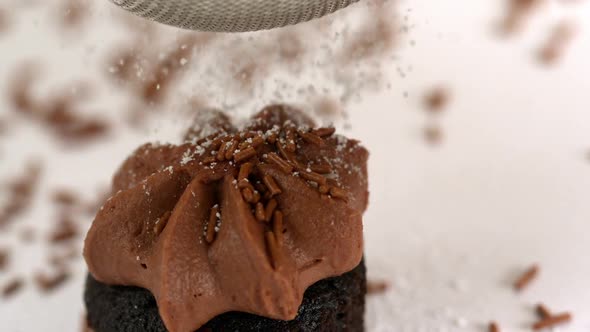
point(450, 226)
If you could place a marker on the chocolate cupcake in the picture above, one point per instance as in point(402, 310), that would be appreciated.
point(252, 229)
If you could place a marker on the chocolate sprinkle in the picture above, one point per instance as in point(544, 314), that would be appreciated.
point(49, 283)
point(273, 187)
point(552, 321)
point(494, 327)
point(244, 155)
point(4, 259)
point(377, 287)
point(526, 278)
point(12, 287)
point(542, 311)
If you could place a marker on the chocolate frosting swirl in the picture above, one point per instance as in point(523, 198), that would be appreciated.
point(233, 220)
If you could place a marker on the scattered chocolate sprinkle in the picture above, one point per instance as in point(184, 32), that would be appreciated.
point(271, 243)
point(377, 286)
point(314, 177)
point(312, 138)
point(12, 287)
point(272, 186)
point(560, 38)
point(270, 209)
point(245, 170)
point(433, 134)
point(283, 165)
point(64, 231)
point(272, 138)
point(437, 99)
point(526, 278)
point(321, 168)
point(222, 150)
point(21, 191)
point(249, 196)
point(494, 327)
point(27, 235)
point(260, 216)
point(542, 311)
point(339, 193)
point(65, 197)
point(231, 149)
point(324, 189)
point(552, 321)
point(167, 70)
point(210, 235)
point(4, 258)
point(61, 261)
point(518, 12)
point(244, 183)
point(4, 20)
point(290, 140)
point(49, 283)
point(57, 113)
point(277, 227)
point(244, 155)
point(257, 141)
point(324, 132)
point(74, 12)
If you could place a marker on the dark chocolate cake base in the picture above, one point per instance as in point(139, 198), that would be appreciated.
point(333, 304)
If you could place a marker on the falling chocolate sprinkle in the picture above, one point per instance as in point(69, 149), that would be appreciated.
point(494, 327)
point(58, 113)
point(526, 278)
point(272, 186)
point(518, 12)
point(64, 197)
point(21, 191)
point(433, 134)
point(270, 209)
point(436, 100)
point(377, 287)
point(552, 321)
point(74, 12)
point(48, 283)
point(4, 259)
point(12, 287)
point(167, 70)
point(560, 38)
point(65, 230)
point(4, 20)
point(277, 227)
point(542, 311)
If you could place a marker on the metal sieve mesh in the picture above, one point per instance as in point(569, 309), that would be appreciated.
point(231, 15)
